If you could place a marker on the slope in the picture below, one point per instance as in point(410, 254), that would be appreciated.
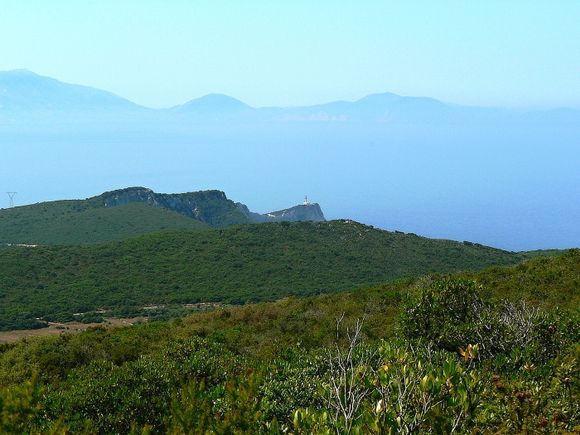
point(550, 280)
point(25, 92)
point(239, 264)
point(83, 222)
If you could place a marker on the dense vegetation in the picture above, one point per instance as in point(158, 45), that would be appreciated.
point(432, 354)
point(84, 222)
point(245, 263)
point(552, 280)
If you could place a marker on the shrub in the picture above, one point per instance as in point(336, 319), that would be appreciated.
point(231, 408)
point(20, 407)
point(451, 315)
point(409, 390)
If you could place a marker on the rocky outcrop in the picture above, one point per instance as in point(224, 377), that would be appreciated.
point(304, 212)
point(211, 207)
point(252, 217)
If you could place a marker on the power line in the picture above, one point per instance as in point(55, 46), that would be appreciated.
point(11, 195)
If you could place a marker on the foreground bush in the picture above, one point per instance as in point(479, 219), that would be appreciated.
point(411, 390)
point(451, 315)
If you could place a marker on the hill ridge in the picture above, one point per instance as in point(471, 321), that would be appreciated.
point(131, 211)
point(242, 263)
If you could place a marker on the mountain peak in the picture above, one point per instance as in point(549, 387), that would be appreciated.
point(381, 96)
point(214, 103)
point(24, 90)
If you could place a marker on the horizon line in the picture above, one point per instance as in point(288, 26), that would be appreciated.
point(220, 94)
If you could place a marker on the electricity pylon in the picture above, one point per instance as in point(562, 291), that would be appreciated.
point(11, 195)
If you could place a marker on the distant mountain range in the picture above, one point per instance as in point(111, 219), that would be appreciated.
point(133, 211)
point(25, 93)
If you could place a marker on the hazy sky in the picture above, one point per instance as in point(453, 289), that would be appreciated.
point(162, 53)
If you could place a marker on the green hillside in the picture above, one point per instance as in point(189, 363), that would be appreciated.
point(84, 222)
point(552, 280)
point(269, 367)
point(239, 264)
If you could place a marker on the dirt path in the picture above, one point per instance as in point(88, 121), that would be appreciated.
point(61, 328)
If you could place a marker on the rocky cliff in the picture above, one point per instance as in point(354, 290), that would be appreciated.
point(211, 207)
point(304, 212)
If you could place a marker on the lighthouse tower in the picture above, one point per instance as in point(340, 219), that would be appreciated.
point(306, 202)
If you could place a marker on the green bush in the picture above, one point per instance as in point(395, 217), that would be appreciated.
point(444, 314)
point(113, 398)
point(20, 407)
point(410, 390)
point(451, 315)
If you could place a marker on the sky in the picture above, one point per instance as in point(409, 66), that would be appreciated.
point(162, 53)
